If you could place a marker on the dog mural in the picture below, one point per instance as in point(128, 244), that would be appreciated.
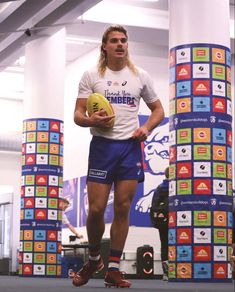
point(156, 159)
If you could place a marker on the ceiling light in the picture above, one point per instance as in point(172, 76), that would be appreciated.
point(81, 41)
point(127, 15)
point(74, 41)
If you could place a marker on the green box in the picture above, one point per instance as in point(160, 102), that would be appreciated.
point(42, 148)
point(41, 191)
point(202, 218)
point(229, 188)
point(28, 246)
point(228, 90)
point(31, 137)
point(39, 258)
point(29, 180)
point(184, 136)
point(184, 187)
point(201, 54)
point(202, 152)
point(220, 235)
point(218, 72)
point(53, 159)
point(172, 171)
point(219, 170)
point(53, 203)
point(171, 270)
point(51, 270)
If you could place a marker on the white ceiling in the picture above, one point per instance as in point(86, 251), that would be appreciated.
point(24, 20)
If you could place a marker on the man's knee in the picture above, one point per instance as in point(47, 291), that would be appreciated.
point(95, 212)
point(122, 209)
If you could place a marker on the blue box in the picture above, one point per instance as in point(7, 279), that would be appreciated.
point(70, 263)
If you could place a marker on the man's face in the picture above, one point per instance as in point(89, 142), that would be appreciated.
point(64, 206)
point(116, 46)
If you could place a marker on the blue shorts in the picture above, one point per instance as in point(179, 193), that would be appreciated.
point(113, 160)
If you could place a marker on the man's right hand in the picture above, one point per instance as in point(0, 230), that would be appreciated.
point(100, 119)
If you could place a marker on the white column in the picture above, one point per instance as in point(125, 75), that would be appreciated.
point(199, 21)
point(44, 77)
point(200, 212)
point(42, 157)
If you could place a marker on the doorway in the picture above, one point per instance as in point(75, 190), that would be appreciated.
point(5, 237)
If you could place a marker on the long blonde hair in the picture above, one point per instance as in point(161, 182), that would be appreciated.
point(102, 63)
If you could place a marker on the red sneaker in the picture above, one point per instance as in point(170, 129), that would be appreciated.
point(116, 279)
point(86, 273)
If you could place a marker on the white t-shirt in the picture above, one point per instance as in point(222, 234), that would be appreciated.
point(65, 219)
point(123, 90)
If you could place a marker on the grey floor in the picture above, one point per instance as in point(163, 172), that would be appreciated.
point(18, 284)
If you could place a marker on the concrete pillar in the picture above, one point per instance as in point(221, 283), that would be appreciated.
point(42, 157)
point(200, 217)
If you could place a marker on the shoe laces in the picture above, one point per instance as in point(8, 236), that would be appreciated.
point(86, 270)
point(121, 274)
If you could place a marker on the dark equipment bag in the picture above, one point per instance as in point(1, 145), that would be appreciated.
point(159, 208)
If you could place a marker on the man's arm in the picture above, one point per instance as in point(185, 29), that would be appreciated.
point(155, 118)
point(72, 229)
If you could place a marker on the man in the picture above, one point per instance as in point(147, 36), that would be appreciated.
point(115, 152)
point(159, 218)
point(64, 203)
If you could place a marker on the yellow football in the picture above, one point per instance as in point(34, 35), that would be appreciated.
point(97, 102)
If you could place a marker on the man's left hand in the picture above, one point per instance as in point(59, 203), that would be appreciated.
point(141, 133)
